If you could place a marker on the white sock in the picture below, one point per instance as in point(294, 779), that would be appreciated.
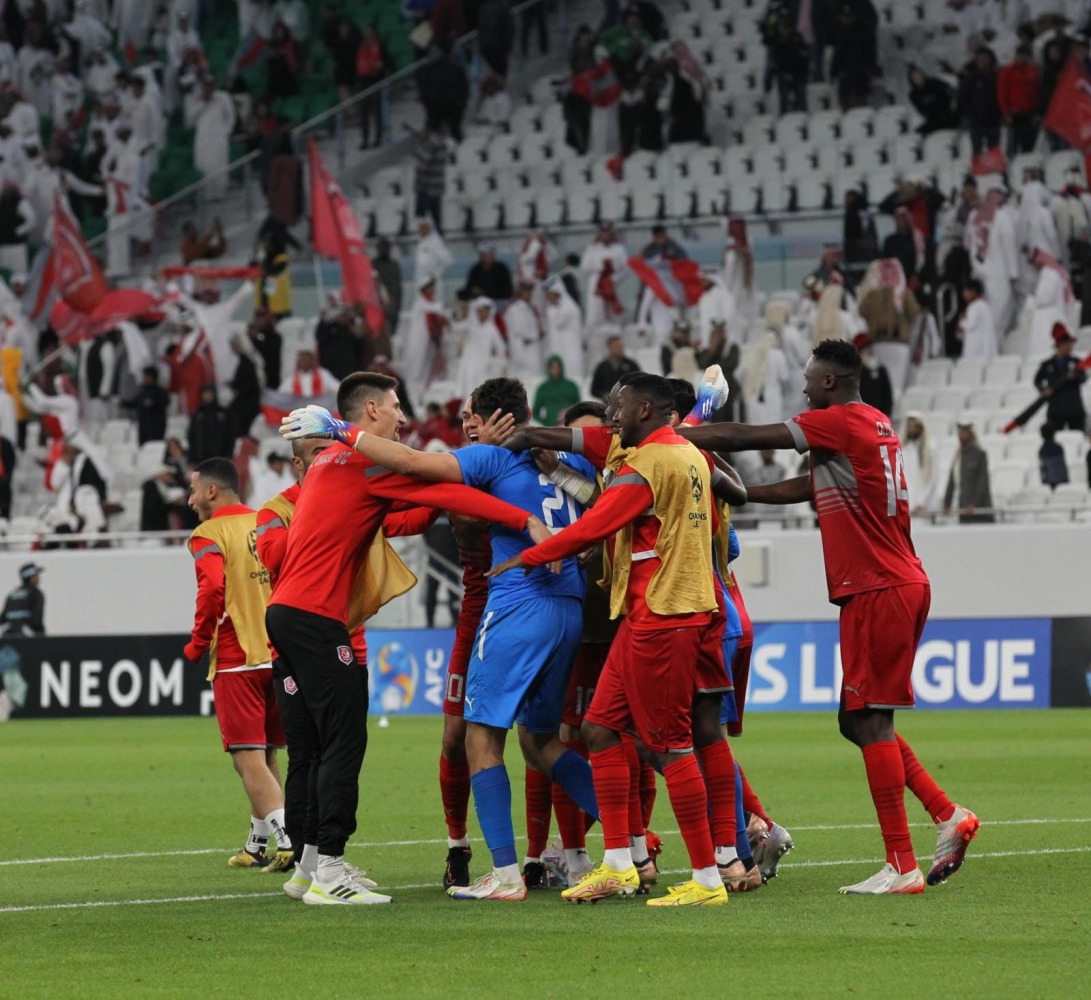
point(308, 860)
point(458, 842)
point(638, 848)
point(259, 835)
point(708, 877)
point(528, 860)
point(330, 867)
point(725, 855)
point(509, 873)
point(275, 822)
point(577, 859)
point(618, 858)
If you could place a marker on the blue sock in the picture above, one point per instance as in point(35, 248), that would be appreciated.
point(573, 774)
point(742, 841)
point(492, 802)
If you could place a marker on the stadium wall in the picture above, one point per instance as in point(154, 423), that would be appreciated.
point(1010, 628)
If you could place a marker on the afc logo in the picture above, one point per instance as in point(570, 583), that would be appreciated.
point(252, 543)
point(697, 489)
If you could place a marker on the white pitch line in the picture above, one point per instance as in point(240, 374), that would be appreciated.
point(136, 855)
point(99, 903)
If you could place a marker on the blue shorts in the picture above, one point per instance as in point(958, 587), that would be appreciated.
point(728, 711)
point(521, 660)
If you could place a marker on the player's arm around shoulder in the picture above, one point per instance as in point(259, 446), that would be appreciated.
point(395, 456)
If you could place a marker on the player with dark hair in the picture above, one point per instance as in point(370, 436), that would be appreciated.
point(527, 638)
point(659, 506)
point(382, 578)
point(337, 516)
point(874, 575)
point(229, 625)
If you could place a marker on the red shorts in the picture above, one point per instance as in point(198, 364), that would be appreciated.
point(246, 709)
point(586, 669)
point(880, 630)
point(740, 674)
point(710, 674)
point(647, 686)
point(459, 663)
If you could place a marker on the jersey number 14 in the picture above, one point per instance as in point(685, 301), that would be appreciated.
point(896, 488)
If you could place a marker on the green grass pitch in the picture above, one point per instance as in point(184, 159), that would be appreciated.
point(173, 920)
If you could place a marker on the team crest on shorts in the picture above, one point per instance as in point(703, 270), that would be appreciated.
point(344, 654)
point(290, 686)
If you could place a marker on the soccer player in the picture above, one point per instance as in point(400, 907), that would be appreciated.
point(659, 506)
point(524, 647)
point(383, 578)
point(337, 516)
point(229, 624)
point(874, 576)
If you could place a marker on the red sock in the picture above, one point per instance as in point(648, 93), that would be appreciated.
point(750, 801)
point(718, 767)
point(539, 793)
point(689, 800)
point(923, 785)
point(886, 778)
point(610, 772)
point(636, 816)
point(571, 821)
point(454, 789)
point(648, 790)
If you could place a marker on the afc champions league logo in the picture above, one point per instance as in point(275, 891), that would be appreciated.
point(697, 489)
point(393, 677)
point(252, 543)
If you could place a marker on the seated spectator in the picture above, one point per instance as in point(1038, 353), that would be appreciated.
point(195, 247)
point(555, 395)
point(934, 101)
point(308, 380)
point(1018, 86)
point(493, 112)
point(489, 277)
point(611, 368)
point(662, 247)
point(150, 403)
point(1052, 464)
point(968, 488)
point(875, 388)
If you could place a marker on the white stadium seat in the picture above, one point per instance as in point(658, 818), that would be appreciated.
point(967, 372)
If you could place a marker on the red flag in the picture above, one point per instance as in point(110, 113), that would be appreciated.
point(1069, 113)
point(76, 273)
point(989, 161)
point(336, 233)
point(672, 282)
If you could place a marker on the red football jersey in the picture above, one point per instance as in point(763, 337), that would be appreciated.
point(343, 502)
point(861, 497)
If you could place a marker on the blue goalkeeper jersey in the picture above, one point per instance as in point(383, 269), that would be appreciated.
point(515, 478)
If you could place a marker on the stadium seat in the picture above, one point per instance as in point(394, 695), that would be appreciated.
point(905, 152)
point(768, 161)
point(116, 432)
point(986, 397)
point(949, 397)
point(1019, 397)
point(939, 147)
point(1007, 478)
point(867, 156)
point(916, 397)
point(121, 456)
point(1071, 494)
point(829, 159)
point(892, 122)
point(857, 124)
point(820, 97)
point(799, 161)
point(148, 458)
point(934, 371)
point(1002, 371)
point(582, 204)
point(647, 200)
point(549, 205)
point(812, 193)
point(823, 127)
point(518, 210)
point(791, 129)
point(1074, 444)
point(736, 164)
point(775, 193)
point(759, 130)
point(967, 372)
point(1023, 448)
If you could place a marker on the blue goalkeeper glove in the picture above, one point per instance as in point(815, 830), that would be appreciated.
point(712, 393)
point(317, 422)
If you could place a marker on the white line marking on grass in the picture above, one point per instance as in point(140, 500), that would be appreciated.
point(98, 903)
point(424, 843)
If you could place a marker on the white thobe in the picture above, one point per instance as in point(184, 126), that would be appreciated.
point(591, 264)
point(978, 332)
point(214, 120)
point(524, 340)
point(564, 336)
